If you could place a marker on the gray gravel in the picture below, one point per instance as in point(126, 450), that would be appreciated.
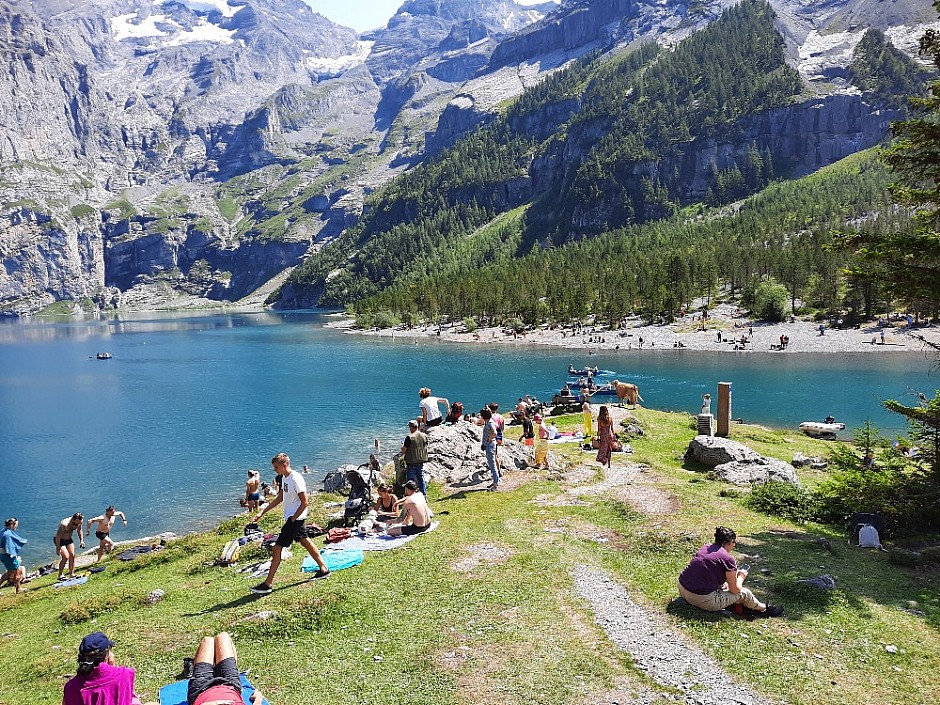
point(664, 654)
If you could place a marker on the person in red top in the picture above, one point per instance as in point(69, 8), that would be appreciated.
point(712, 581)
point(216, 678)
point(98, 680)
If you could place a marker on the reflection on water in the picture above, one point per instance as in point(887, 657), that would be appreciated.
point(167, 428)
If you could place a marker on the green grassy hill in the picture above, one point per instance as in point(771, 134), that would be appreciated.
point(483, 611)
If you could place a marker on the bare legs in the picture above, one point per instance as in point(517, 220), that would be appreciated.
point(276, 559)
point(214, 650)
point(67, 556)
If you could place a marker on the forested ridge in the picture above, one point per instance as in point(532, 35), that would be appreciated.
point(595, 151)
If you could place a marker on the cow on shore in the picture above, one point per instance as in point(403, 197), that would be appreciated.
point(627, 391)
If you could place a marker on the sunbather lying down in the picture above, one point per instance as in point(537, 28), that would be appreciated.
point(215, 677)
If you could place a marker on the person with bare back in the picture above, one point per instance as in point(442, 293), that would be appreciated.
point(105, 523)
point(65, 544)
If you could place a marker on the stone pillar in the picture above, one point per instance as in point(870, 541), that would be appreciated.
point(724, 409)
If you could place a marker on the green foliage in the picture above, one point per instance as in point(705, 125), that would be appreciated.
point(782, 499)
point(124, 207)
point(86, 609)
point(884, 72)
point(770, 300)
point(470, 324)
point(82, 210)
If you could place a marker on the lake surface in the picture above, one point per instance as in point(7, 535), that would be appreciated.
point(167, 428)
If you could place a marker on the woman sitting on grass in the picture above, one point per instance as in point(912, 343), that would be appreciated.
point(712, 581)
point(386, 506)
point(98, 680)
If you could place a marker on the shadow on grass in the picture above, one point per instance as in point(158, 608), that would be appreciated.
point(244, 599)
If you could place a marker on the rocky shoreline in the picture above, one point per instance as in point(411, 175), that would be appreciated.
point(687, 333)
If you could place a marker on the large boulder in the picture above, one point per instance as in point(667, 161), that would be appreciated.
point(744, 473)
point(713, 451)
point(454, 452)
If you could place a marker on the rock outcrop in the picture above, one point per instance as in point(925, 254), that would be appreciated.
point(733, 462)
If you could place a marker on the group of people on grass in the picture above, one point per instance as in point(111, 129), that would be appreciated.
point(11, 544)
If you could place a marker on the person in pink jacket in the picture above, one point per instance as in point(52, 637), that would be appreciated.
point(99, 681)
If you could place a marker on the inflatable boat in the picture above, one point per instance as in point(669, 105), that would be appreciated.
point(820, 429)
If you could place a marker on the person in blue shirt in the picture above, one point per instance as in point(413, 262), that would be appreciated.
point(10, 545)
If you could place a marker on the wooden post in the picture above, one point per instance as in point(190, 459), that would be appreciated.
point(724, 409)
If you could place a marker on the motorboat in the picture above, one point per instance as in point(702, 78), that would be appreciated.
point(821, 429)
point(584, 372)
point(104, 356)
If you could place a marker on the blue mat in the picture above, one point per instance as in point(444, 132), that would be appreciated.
point(175, 693)
point(335, 559)
point(71, 582)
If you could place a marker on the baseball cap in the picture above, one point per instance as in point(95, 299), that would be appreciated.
point(96, 641)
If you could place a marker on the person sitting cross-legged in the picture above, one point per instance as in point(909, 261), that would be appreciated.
point(415, 516)
point(712, 581)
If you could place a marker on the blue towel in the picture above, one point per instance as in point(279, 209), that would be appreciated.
point(335, 559)
point(175, 693)
point(71, 582)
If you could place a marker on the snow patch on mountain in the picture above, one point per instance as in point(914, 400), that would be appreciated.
point(907, 39)
point(330, 68)
point(820, 52)
point(204, 6)
point(204, 32)
point(130, 27)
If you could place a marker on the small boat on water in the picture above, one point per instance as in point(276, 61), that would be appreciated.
point(583, 372)
point(821, 429)
point(104, 356)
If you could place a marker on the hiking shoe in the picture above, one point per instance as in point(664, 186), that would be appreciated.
point(262, 589)
point(771, 611)
point(320, 574)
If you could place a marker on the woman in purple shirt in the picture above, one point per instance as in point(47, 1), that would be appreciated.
point(98, 680)
point(712, 581)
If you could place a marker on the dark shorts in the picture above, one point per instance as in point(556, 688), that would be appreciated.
point(10, 562)
point(290, 532)
point(205, 676)
point(102, 535)
point(411, 529)
point(435, 422)
point(254, 496)
point(63, 542)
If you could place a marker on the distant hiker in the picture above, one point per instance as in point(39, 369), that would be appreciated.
point(293, 494)
point(98, 680)
point(65, 544)
point(882, 336)
point(11, 543)
point(712, 581)
point(253, 490)
point(415, 450)
point(415, 517)
point(605, 436)
point(102, 533)
point(488, 446)
point(430, 411)
point(216, 677)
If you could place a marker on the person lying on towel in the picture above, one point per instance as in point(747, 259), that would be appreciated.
point(216, 678)
point(415, 516)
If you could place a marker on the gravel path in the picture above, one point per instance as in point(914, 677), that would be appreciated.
point(664, 654)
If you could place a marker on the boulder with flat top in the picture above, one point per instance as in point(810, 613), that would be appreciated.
point(714, 450)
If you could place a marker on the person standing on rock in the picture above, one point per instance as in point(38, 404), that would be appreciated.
point(65, 544)
point(712, 581)
point(415, 450)
point(489, 446)
point(293, 494)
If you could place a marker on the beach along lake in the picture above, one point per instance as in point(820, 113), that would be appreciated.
point(167, 428)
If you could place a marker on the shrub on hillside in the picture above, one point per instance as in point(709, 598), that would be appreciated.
point(782, 499)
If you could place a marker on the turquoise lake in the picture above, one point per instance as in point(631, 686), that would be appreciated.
point(167, 428)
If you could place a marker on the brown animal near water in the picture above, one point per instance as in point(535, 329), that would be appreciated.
point(627, 391)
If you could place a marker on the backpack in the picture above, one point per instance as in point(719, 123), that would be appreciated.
point(868, 537)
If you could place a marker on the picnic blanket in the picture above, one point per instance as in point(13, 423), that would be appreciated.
point(380, 542)
point(335, 559)
point(175, 693)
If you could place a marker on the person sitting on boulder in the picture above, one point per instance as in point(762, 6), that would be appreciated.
point(712, 581)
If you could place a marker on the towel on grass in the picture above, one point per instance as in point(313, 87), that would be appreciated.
point(381, 542)
point(71, 582)
point(335, 559)
point(175, 693)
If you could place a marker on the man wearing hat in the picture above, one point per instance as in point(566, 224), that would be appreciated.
point(415, 516)
point(98, 680)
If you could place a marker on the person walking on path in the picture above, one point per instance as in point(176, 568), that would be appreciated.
point(103, 532)
point(430, 408)
point(713, 581)
point(541, 442)
point(605, 436)
point(11, 543)
point(489, 446)
point(65, 544)
point(293, 495)
point(99, 680)
point(415, 450)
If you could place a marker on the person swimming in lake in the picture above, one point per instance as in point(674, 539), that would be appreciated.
point(103, 532)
